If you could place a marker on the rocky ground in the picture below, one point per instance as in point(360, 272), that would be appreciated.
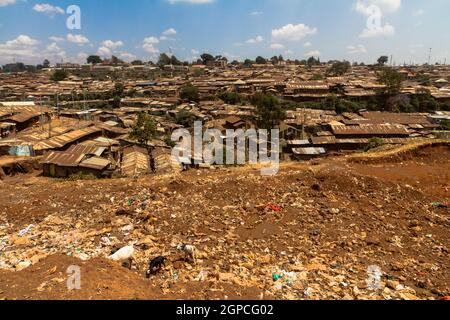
point(311, 232)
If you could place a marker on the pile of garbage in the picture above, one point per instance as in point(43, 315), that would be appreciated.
point(300, 235)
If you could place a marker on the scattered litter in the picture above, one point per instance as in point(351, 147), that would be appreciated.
point(25, 231)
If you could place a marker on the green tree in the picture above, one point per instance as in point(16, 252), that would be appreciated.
point(189, 93)
point(119, 89)
point(164, 60)
point(137, 63)
point(268, 111)
point(206, 57)
point(248, 63)
point(391, 79)
point(94, 59)
point(144, 129)
point(339, 68)
point(383, 60)
point(59, 75)
point(185, 118)
point(230, 97)
point(46, 63)
point(260, 60)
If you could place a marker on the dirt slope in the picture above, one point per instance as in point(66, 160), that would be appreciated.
point(336, 219)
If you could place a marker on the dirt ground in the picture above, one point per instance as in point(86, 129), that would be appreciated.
point(329, 222)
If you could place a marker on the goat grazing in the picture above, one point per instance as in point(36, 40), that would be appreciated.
point(124, 255)
point(189, 252)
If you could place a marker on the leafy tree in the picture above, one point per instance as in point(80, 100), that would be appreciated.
point(137, 63)
point(230, 97)
point(391, 79)
point(185, 118)
point(274, 60)
point(383, 60)
point(268, 111)
point(248, 63)
point(174, 61)
point(206, 57)
point(59, 75)
point(115, 60)
point(312, 61)
point(116, 102)
point(260, 60)
point(189, 93)
point(46, 64)
point(164, 60)
point(144, 129)
point(94, 59)
point(119, 89)
point(339, 68)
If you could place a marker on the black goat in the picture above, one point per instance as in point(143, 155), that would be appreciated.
point(155, 265)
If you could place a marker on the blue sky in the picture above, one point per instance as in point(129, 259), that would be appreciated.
point(356, 30)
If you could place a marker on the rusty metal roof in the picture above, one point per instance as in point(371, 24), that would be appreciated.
point(370, 130)
point(135, 161)
point(62, 159)
point(309, 151)
point(97, 163)
point(66, 138)
point(323, 140)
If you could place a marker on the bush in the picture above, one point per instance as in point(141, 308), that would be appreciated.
point(189, 93)
point(59, 75)
point(374, 143)
point(230, 97)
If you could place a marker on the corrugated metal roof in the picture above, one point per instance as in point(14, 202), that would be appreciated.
point(309, 151)
point(135, 161)
point(95, 163)
point(370, 130)
point(64, 139)
point(62, 159)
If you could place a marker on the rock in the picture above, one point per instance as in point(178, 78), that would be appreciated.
point(391, 284)
point(20, 241)
point(22, 265)
point(407, 296)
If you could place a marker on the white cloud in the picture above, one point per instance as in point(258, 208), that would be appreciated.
point(307, 44)
point(23, 46)
point(149, 45)
point(4, 3)
point(358, 49)
point(255, 13)
point(386, 6)
point(315, 53)
point(292, 32)
point(48, 9)
point(127, 56)
point(104, 52)
point(77, 38)
point(112, 44)
point(57, 39)
point(386, 31)
point(258, 39)
point(276, 46)
point(53, 50)
point(195, 52)
point(169, 32)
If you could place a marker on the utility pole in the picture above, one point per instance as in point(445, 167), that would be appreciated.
point(429, 57)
